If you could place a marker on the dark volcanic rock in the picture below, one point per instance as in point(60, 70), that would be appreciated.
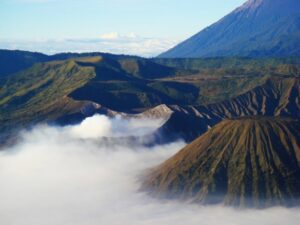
point(276, 97)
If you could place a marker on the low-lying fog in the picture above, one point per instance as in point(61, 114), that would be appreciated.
point(63, 176)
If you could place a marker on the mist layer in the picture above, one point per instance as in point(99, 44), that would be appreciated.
point(71, 176)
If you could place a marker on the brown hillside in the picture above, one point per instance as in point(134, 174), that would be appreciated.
point(245, 162)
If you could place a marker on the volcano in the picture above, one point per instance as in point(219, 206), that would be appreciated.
point(247, 162)
point(259, 28)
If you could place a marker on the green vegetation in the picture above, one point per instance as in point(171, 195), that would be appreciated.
point(40, 93)
point(234, 66)
point(50, 90)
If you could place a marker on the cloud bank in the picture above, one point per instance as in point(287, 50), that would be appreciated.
point(114, 42)
point(68, 176)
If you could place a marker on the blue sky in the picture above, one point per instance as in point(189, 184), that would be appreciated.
point(30, 24)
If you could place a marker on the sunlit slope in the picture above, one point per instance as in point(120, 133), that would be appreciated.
point(41, 93)
point(244, 162)
point(35, 90)
point(12, 61)
point(45, 91)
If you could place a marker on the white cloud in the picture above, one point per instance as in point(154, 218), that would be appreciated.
point(113, 42)
point(94, 127)
point(116, 35)
point(109, 36)
point(101, 126)
point(56, 178)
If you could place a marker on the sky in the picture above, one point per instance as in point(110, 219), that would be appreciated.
point(142, 27)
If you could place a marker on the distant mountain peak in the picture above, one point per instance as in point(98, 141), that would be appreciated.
point(276, 7)
point(258, 28)
point(250, 6)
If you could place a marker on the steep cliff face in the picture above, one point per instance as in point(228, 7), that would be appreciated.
point(257, 28)
point(245, 162)
point(277, 97)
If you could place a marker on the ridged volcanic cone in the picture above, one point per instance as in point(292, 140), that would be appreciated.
point(251, 162)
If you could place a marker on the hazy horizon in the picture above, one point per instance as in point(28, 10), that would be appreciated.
point(144, 28)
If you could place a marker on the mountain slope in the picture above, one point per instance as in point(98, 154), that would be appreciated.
point(278, 96)
point(244, 162)
point(40, 93)
point(258, 28)
point(13, 61)
point(67, 91)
